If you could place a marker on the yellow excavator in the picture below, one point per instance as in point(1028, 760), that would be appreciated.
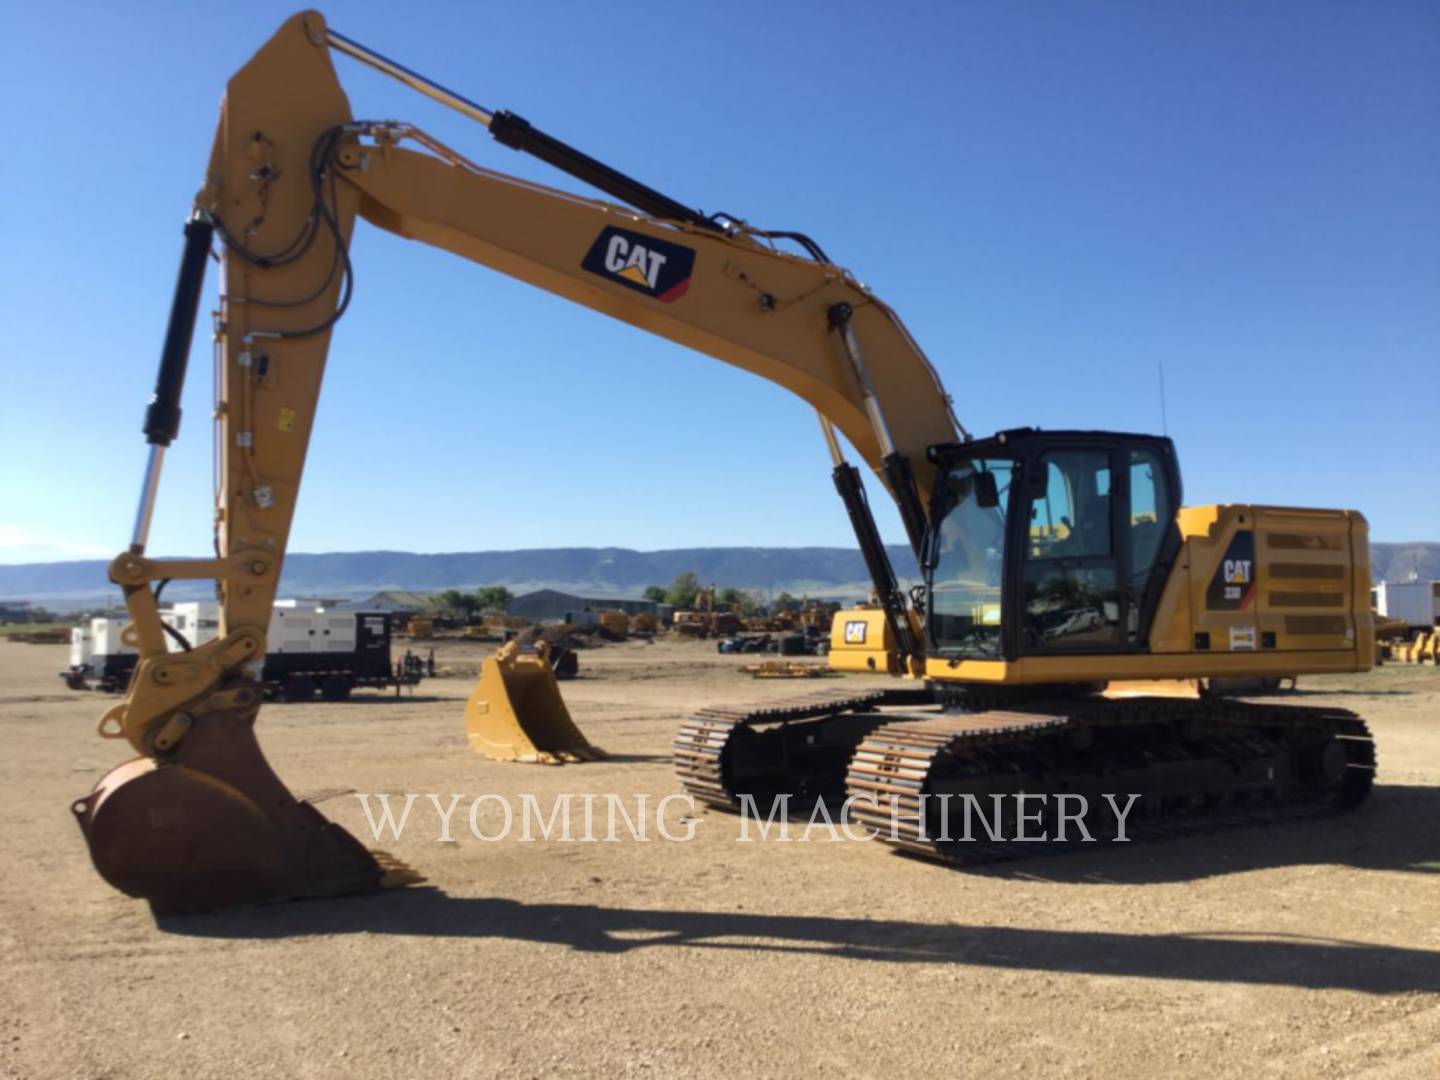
point(1053, 561)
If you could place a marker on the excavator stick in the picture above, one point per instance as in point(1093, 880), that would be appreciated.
point(516, 713)
point(210, 825)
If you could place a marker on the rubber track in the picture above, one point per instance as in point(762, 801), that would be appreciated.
point(897, 762)
point(699, 746)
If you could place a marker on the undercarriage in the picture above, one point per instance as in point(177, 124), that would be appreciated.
point(980, 780)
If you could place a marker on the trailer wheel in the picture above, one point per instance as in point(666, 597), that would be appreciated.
point(74, 680)
point(335, 687)
point(298, 688)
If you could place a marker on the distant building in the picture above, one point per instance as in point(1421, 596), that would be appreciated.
point(551, 605)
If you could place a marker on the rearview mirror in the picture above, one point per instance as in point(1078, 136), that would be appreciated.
point(987, 492)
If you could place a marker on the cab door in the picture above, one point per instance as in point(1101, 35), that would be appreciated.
point(1072, 596)
point(1096, 538)
point(1151, 538)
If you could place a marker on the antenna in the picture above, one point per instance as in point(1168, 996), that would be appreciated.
point(1164, 423)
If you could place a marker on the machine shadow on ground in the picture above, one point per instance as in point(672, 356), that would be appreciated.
point(1340, 692)
point(1396, 832)
point(1396, 829)
point(1314, 963)
point(636, 759)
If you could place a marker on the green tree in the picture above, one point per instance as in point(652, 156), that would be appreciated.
point(655, 594)
point(683, 590)
point(493, 598)
point(456, 603)
point(786, 602)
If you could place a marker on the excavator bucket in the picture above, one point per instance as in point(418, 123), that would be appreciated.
point(211, 826)
point(516, 713)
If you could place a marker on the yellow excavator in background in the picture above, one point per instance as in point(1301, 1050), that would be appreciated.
point(614, 625)
point(708, 618)
point(1053, 561)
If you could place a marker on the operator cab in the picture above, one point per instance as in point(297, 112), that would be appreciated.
point(1045, 543)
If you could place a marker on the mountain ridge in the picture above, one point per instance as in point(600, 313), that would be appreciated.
point(601, 572)
point(837, 572)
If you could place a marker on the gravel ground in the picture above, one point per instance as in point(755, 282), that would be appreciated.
point(1300, 950)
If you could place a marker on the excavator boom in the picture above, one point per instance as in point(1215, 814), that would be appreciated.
point(199, 819)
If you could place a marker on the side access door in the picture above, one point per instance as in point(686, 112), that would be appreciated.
point(1096, 522)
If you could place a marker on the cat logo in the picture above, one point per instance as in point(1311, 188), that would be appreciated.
point(1233, 586)
point(647, 264)
point(855, 632)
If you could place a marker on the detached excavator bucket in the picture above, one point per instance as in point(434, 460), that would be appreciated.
point(516, 713)
point(210, 825)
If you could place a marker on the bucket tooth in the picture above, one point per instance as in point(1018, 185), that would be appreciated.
point(516, 713)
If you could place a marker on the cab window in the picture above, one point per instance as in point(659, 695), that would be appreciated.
point(1150, 514)
point(968, 559)
point(1071, 517)
point(1071, 585)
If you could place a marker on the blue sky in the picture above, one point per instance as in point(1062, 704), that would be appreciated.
point(1057, 197)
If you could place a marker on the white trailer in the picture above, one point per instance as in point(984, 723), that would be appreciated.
point(99, 657)
point(1417, 603)
point(311, 648)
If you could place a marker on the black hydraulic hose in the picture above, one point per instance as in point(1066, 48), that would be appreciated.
point(179, 638)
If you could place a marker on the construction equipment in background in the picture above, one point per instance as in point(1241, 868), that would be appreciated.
point(419, 628)
point(816, 615)
point(1390, 636)
point(707, 619)
point(1407, 620)
point(811, 615)
point(516, 713)
point(644, 624)
point(1054, 562)
point(496, 626)
point(613, 625)
point(54, 635)
point(694, 622)
point(1423, 648)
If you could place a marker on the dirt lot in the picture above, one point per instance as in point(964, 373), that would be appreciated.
point(1302, 950)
